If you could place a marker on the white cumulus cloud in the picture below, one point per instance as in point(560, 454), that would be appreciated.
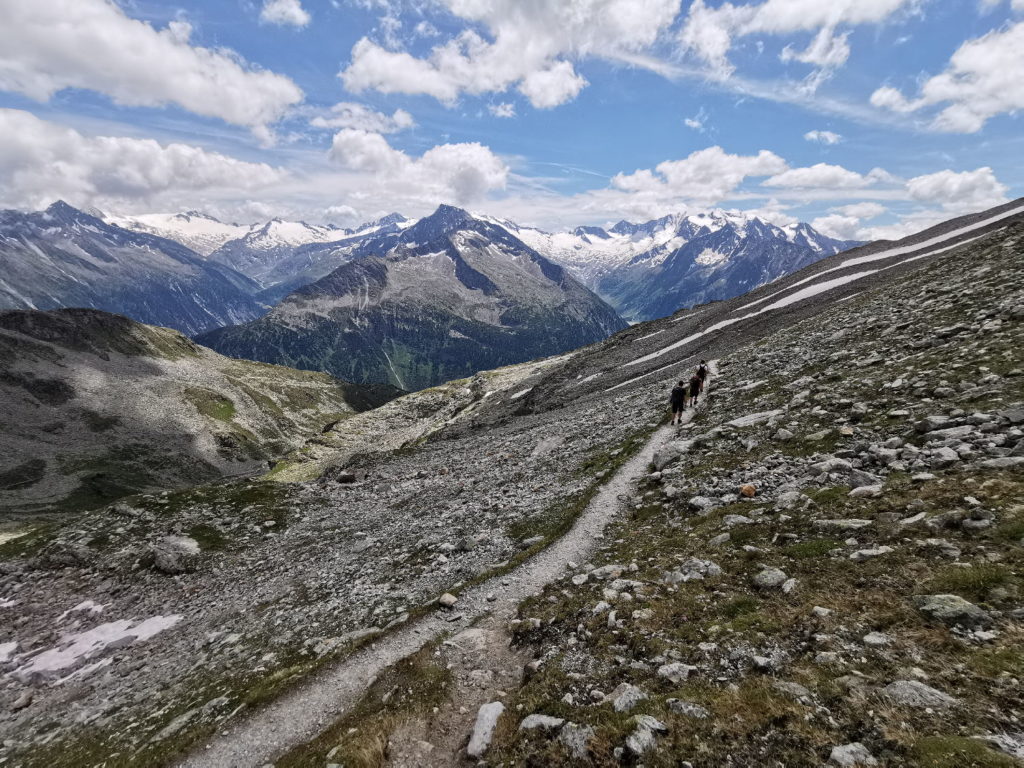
point(505, 109)
point(349, 114)
point(450, 172)
point(41, 161)
point(530, 46)
point(820, 175)
point(984, 78)
point(285, 13)
point(959, 192)
point(709, 32)
point(49, 45)
point(707, 175)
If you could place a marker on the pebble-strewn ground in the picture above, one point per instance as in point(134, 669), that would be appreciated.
point(827, 567)
point(865, 593)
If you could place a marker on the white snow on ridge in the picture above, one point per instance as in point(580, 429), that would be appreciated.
point(203, 234)
point(793, 298)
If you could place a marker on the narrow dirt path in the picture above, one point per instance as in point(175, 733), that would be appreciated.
point(308, 709)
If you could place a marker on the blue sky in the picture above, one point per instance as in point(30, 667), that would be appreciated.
point(870, 118)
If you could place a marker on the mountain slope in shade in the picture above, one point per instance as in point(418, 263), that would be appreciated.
point(652, 269)
point(97, 406)
point(62, 257)
point(451, 295)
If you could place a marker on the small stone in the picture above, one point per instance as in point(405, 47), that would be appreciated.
point(541, 721)
point(676, 672)
point(688, 709)
point(877, 639)
point(447, 600)
point(748, 491)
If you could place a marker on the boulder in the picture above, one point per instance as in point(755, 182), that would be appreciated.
point(770, 578)
point(175, 554)
point(952, 610)
point(851, 755)
point(483, 729)
point(913, 693)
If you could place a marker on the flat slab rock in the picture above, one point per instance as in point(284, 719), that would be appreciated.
point(913, 693)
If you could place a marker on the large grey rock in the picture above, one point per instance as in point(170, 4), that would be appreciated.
point(625, 697)
point(576, 739)
point(483, 729)
point(770, 578)
point(644, 736)
point(913, 693)
point(952, 610)
point(753, 419)
point(175, 554)
point(851, 755)
point(676, 672)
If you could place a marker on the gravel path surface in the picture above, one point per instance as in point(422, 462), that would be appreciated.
point(301, 714)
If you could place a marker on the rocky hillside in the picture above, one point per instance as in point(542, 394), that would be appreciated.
point(63, 257)
point(653, 269)
point(452, 295)
point(823, 565)
point(97, 406)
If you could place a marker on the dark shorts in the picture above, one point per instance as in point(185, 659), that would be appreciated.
point(678, 407)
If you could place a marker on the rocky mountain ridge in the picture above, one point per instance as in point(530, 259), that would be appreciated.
point(653, 269)
point(63, 257)
point(448, 296)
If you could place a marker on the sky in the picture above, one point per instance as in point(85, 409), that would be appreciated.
point(867, 118)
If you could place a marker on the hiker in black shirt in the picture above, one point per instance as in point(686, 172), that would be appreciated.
point(702, 372)
point(678, 401)
point(695, 387)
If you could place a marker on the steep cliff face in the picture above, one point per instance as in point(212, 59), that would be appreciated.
point(63, 257)
point(449, 296)
point(97, 406)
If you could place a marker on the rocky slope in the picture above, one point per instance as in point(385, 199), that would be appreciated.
point(63, 257)
point(675, 643)
point(97, 406)
point(449, 296)
point(653, 269)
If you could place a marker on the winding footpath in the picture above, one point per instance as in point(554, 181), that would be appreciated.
point(308, 709)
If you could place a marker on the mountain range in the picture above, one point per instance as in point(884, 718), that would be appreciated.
point(441, 299)
point(411, 303)
point(650, 270)
point(64, 257)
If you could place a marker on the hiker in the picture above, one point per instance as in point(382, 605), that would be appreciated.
point(695, 387)
point(678, 401)
point(702, 371)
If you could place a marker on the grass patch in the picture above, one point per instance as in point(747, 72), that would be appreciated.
point(958, 752)
point(211, 404)
point(209, 537)
point(972, 583)
point(412, 687)
point(806, 550)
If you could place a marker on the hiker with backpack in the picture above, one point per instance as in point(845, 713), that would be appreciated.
point(696, 384)
point(678, 402)
point(702, 372)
